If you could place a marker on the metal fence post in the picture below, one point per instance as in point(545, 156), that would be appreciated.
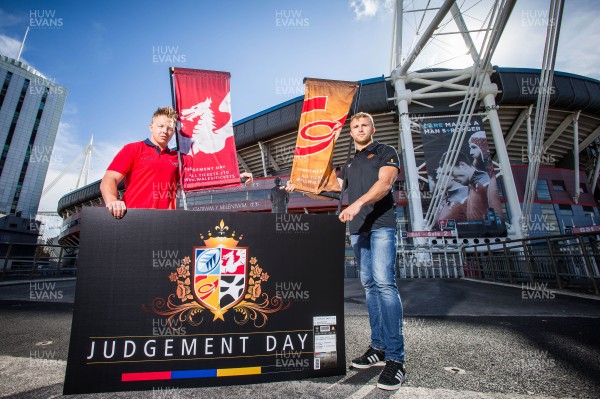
point(5, 268)
point(587, 263)
point(508, 263)
point(549, 245)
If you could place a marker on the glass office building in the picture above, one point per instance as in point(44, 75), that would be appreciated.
point(31, 106)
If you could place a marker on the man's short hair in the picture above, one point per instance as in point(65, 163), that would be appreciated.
point(169, 112)
point(363, 115)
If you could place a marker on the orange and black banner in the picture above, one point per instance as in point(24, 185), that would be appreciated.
point(325, 109)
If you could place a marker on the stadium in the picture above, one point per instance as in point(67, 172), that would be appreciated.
point(557, 198)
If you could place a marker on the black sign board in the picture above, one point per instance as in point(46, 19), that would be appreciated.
point(185, 299)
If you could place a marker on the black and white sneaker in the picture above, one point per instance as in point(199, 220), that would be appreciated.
point(372, 357)
point(392, 376)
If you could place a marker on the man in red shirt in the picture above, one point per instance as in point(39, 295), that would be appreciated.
point(150, 170)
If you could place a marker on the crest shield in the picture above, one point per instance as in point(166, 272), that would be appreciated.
point(219, 277)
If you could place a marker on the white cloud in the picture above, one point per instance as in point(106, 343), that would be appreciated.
point(9, 46)
point(370, 8)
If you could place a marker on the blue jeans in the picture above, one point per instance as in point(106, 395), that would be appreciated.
point(375, 252)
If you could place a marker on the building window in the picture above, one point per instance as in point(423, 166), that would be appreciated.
point(589, 212)
point(565, 210)
point(5, 87)
point(542, 190)
point(558, 185)
point(550, 222)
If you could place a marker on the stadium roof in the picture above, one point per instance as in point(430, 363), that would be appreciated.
point(517, 90)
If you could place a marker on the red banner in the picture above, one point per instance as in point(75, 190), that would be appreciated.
point(205, 137)
point(325, 109)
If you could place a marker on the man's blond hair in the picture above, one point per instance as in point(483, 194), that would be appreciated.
point(363, 115)
point(169, 112)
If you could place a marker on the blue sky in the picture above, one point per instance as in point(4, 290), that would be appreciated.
point(113, 56)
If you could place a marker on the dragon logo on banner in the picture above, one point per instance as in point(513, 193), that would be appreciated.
point(205, 131)
point(205, 138)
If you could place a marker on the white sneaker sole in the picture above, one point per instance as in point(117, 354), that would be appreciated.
point(389, 387)
point(367, 366)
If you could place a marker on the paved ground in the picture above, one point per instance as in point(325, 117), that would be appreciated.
point(464, 339)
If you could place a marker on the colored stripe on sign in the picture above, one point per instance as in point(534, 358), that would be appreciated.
point(183, 374)
point(149, 376)
point(238, 371)
point(194, 374)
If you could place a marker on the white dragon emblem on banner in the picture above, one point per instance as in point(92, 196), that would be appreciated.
point(205, 138)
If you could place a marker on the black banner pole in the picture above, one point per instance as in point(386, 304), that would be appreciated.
point(171, 71)
point(354, 111)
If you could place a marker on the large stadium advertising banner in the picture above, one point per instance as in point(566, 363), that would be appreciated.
point(324, 111)
point(175, 299)
point(205, 135)
point(471, 203)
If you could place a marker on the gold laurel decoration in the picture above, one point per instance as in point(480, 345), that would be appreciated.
point(257, 312)
point(188, 312)
point(246, 310)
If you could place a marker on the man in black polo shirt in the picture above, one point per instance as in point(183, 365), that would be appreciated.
point(370, 178)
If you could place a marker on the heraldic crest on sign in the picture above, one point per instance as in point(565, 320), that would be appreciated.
point(219, 279)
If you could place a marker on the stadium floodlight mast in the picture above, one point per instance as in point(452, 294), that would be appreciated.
point(84, 172)
point(447, 84)
point(536, 142)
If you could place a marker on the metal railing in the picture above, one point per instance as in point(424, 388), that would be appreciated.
point(30, 261)
point(418, 262)
point(429, 262)
point(560, 261)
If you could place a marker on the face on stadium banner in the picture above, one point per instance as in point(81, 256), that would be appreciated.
point(361, 131)
point(451, 183)
point(162, 129)
point(462, 173)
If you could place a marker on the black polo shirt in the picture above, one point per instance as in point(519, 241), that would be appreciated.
point(362, 172)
